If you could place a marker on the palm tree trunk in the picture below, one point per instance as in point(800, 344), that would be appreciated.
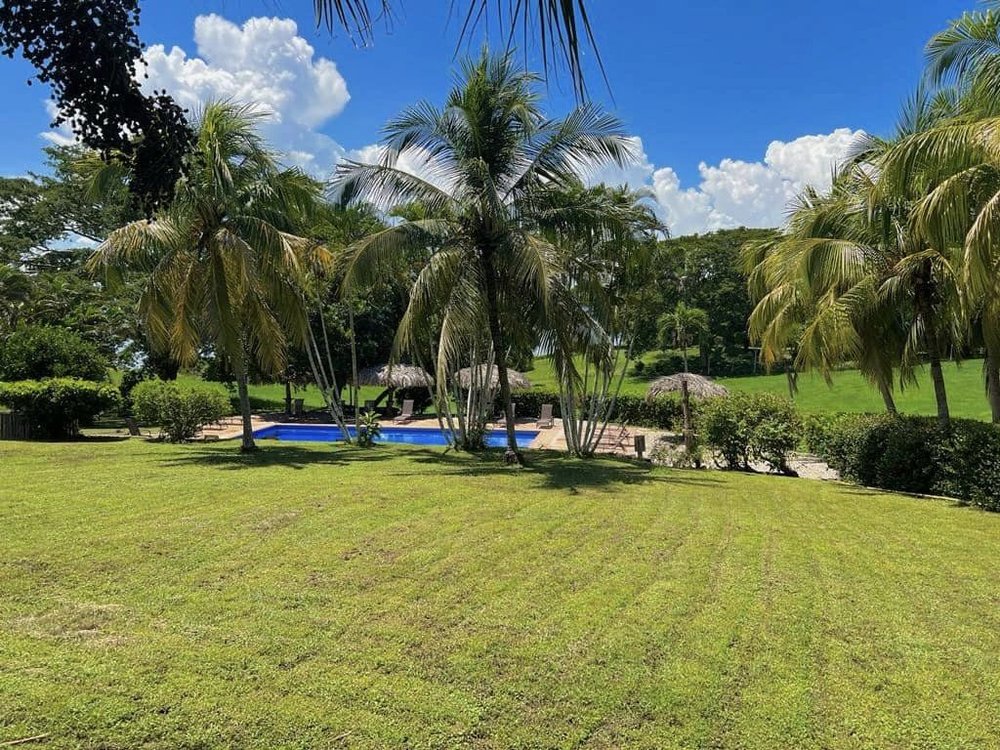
point(354, 369)
point(940, 394)
point(925, 309)
point(887, 399)
point(499, 351)
point(992, 366)
point(288, 397)
point(244, 391)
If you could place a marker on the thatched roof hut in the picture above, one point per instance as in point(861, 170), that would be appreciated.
point(516, 379)
point(699, 386)
point(395, 376)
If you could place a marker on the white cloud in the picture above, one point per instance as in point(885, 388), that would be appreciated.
point(266, 64)
point(734, 192)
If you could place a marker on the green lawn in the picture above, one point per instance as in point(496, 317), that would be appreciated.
point(850, 392)
point(308, 597)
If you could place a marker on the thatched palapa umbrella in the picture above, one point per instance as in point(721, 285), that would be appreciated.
point(699, 386)
point(395, 376)
point(516, 379)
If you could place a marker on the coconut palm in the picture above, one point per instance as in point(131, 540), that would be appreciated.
point(864, 282)
point(224, 265)
point(959, 156)
point(492, 170)
point(593, 316)
point(683, 326)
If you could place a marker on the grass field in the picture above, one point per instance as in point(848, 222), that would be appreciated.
point(849, 392)
point(314, 597)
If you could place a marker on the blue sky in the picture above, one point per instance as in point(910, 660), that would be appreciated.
point(707, 87)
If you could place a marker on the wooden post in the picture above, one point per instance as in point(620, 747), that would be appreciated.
point(686, 412)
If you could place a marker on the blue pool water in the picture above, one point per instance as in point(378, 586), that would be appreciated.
point(320, 433)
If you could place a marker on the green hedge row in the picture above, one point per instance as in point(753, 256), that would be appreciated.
point(912, 454)
point(663, 413)
point(58, 407)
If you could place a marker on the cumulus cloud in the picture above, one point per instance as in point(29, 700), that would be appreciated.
point(734, 192)
point(263, 63)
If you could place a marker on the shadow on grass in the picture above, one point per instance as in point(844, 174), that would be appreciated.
point(556, 470)
point(273, 454)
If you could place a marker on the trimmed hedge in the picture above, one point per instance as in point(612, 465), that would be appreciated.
point(912, 454)
point(57, 407)
point(663, 413)
point(180, 412)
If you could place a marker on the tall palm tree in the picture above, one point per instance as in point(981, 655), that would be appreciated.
point(491, 164)
point(681, 327)
point(864, 282)
point(959, 156)
point(224, 264)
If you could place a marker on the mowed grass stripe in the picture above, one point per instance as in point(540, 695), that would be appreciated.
point(158, 596)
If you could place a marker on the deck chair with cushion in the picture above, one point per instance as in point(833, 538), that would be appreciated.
point(407, 414)
point(545, 418)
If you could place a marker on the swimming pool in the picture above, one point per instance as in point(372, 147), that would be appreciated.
point(326, 433)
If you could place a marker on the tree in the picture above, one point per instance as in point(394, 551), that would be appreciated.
point(592, 320)
point(86, 50)
point(855, 271)
point(47, 218)
point(705, 271)
point(683, 327)
point(958, 157)
point(223, 262)
point(497, 165)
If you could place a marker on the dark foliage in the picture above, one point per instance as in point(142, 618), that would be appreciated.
point(86, 50)
point(58, 407)
point(751, 427)
point(42, 352)
point(912, 454)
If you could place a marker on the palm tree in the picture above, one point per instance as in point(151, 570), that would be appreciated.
point(595, 301)
point(224, 265)
point(959, 156)
point(855, 271)
point(681, 327)
point(493, 166)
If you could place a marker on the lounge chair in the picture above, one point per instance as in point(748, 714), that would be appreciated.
point(545, 418)
point(614, 440)
point(407, 414)
point(133, 427)
point(501, 420)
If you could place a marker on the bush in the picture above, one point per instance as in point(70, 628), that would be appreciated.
point(58, 407)
point(663, 413)
point(39, 352)
point(912, 454)
point(180, 412)
point(750, 427)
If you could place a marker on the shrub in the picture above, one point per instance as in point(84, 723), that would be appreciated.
point(57, 407)
point(369, 431)
point(180, 412)
point(912, 454)
point(39, 352)
point(749, 427)
point(663, 413)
